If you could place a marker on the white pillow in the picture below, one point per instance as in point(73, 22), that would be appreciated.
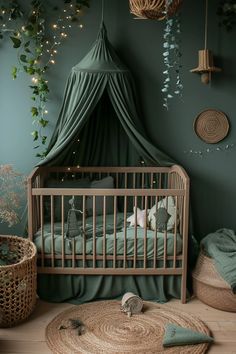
point(169, 204)
point(141, 218)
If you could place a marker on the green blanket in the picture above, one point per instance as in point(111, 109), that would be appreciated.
point(221, 246)
point(130, 237)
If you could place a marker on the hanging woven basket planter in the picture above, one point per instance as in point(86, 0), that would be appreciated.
point(153, 9)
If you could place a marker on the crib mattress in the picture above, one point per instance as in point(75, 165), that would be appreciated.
point(44, 240)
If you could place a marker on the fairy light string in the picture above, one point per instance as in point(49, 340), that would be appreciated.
point(38, 43)
point(207, 151)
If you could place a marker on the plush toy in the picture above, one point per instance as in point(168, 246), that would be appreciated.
point(73, 228)
point(162, 217)
point(131, 304)
point(141, 218)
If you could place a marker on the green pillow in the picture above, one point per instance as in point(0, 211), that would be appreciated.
point(176, 335)
point(104, 183)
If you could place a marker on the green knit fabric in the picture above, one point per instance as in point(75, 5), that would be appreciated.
point(176, 335)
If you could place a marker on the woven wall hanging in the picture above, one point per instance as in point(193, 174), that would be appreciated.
point(154, 9)
point(211, 126)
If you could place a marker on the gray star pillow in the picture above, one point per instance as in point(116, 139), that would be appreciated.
point(162, 217)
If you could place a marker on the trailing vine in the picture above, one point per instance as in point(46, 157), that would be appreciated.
point(172, 55)
point(37, 43)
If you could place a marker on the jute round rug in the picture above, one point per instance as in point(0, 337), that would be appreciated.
point(110, 331)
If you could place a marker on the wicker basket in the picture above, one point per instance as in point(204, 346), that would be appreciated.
point(153, 9)
point(18, 282)
point(210, 287)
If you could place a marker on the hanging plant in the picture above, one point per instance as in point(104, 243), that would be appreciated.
point(37, 44)
point(172, 55)
point(227, 14)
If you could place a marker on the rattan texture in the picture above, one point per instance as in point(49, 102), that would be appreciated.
point(110, 331)
point(210, 287)
point(18, 282)
point(211, 126)
point(153, 9)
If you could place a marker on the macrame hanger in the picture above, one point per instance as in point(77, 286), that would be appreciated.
point(206, 24)
point(205, 57)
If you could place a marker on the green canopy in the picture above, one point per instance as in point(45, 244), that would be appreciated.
point(99, 122)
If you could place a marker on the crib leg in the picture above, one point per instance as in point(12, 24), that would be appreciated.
point(183, 287)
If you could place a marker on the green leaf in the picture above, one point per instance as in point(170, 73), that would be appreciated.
point(30, 70)
point(34, 111)
point(43, 122)
point(27, 44)
point(14, 72)
point(38, 50)
point(31, 61)
point(23, 58)
point(35, 135)
point(44, 139)
point(16, 42)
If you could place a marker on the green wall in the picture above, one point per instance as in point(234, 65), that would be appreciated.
point(139, 44)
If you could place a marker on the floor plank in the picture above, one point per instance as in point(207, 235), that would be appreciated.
point(29, 337)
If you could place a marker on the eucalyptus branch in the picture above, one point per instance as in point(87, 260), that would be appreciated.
point(171, 57)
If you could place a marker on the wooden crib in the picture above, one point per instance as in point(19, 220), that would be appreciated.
point(105, 242)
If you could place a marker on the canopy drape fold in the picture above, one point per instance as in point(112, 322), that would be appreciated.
point(99, 71)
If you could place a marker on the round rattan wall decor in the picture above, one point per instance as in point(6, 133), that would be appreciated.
point(211, 126)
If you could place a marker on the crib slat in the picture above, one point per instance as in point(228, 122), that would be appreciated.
point(135, 232)
point(52, 232)
point(62, 232)
point(175, 231)
point(165, 239)
point(145, 236)
point(142, 184)
point(165, 246)
point(42, 230)
point(126, 185)
point(83, 233)
point(104, 232)
point(115, 220)
point(117, 180)
point(155, 254)
point(94, 231)
point(151, 187)
point(160, 181)
point(125, 229)
point(73, 252)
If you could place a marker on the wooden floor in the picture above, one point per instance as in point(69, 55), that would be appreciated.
point(28, 338)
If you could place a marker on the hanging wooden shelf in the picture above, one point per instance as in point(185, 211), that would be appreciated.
point(153, 9)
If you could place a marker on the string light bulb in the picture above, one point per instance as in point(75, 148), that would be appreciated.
point(34, 80)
